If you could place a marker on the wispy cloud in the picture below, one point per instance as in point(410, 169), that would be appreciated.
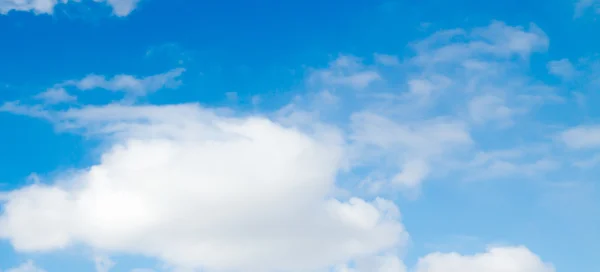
point(55, 96)
point(120, 8)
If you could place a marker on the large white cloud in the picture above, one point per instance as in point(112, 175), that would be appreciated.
point(199, 190)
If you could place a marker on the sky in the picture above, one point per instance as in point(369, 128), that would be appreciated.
point(276, 136)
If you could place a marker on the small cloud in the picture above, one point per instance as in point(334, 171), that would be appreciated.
point(255, 100)
point(129, 84)
point(562, 68)
point(346, 71)
point(386, 60)
point(489, 108)
point(231, 96)
point(581, 137)
point(583, 5)
point(28, 266)
point(55, 96)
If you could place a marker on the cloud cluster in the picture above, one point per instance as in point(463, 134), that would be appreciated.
point(205, 191)
point(203, 188)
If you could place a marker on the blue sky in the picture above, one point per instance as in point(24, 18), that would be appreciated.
point(390, 136)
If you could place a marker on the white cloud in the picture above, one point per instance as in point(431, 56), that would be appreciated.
point(562, 68)
point(581, 137)
point(346, 71)
point(129, 84)
point(166, 189)
point(387, 60)
point(496, 259)
point(28, 266)
point(497, 40)
point(583, 5)
point(410, 147)
point(488, 107)
point(55, 96)
point(120, 8)
point(37, 6)
point(473, 70)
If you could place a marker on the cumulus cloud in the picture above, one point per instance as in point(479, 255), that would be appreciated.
point(496, 259)
point(120, 7)
point(204, 191)
point(217, 190)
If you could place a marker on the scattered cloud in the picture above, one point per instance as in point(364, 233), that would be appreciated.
point(120, 8)
point(388, 60)
point(348, 71)
point(488, 107)
point(55, 96)
point(581, 137)
point(28, 266)
point(583, 5)
point(131, 85)
point(562, 68)
point(280, 210)
point(412, 146)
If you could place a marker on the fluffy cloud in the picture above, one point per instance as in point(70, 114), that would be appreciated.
point(202, 188)
point(120, 7)
point(204, 191)
point(497, 259)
